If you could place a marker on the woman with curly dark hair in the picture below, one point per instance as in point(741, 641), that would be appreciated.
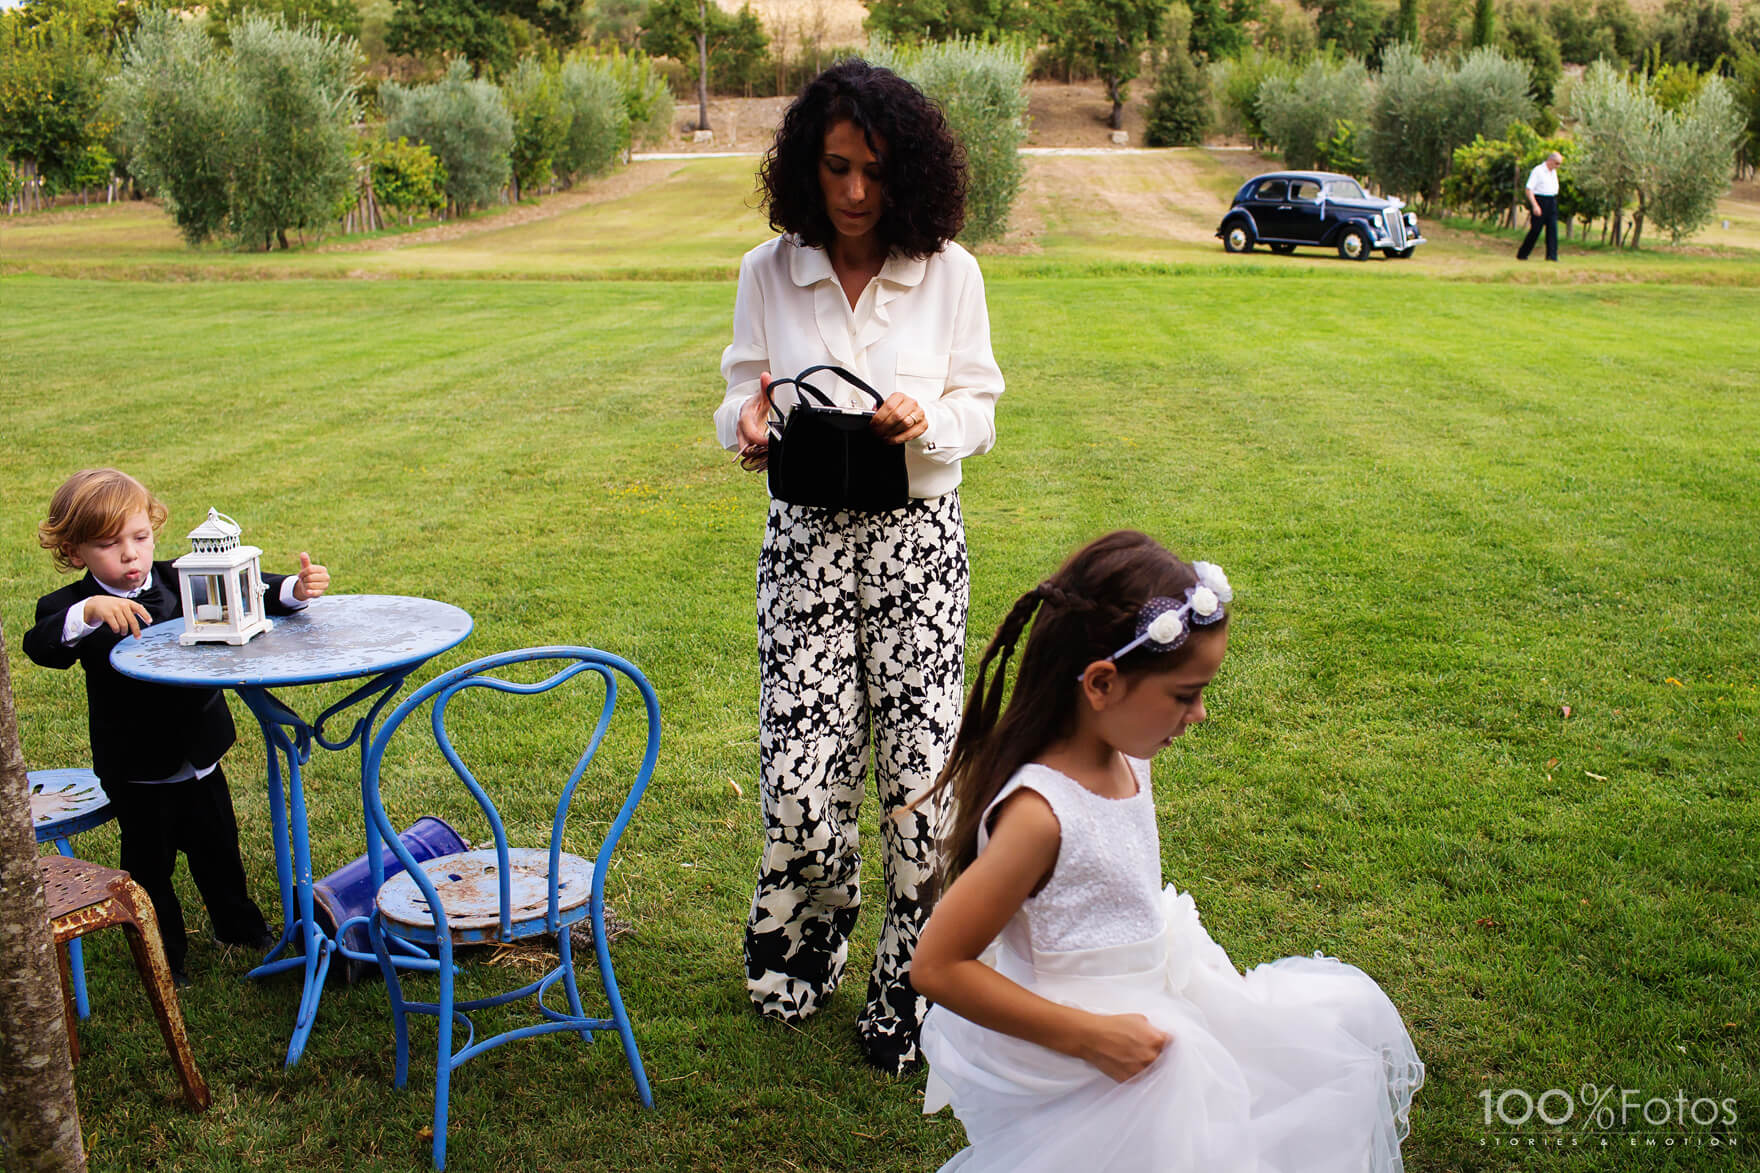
point(861, 615)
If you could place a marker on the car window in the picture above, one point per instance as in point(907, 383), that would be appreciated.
point(1343, 189)
point(1304, 189)
point(1271, 189)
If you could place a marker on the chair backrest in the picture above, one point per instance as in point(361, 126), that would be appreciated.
point(438, 694)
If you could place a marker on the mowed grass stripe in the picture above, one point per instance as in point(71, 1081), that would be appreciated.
point(1440, 536)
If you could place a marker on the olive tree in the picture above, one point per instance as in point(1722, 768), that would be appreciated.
point(1613, 120)
point(293, 163)
point(1300, 112)
point(463, 121)
point(982, 89)
point(177, 110)
point(599, 124)
point(1692, 160)
point(1424, 108)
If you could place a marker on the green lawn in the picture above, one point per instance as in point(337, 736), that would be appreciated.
point(1450, 509)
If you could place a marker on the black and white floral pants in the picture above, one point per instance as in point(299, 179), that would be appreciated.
point(861, 635)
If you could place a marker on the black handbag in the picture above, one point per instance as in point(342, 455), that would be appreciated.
point(829, 457)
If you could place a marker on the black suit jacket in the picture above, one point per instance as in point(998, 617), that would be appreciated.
point(140, 731)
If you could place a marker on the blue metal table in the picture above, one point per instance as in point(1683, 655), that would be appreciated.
point(338, 637)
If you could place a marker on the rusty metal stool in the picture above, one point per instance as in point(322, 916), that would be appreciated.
point(63, 803)
point(84, 897)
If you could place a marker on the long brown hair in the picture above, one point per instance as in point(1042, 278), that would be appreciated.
point(1085, 612)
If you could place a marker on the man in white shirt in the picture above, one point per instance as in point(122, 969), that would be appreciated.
point(1543, 203)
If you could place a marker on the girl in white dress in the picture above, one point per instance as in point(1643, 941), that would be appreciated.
point(1084, 1020)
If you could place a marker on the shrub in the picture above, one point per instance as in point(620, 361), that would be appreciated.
point(11, 182)
point(647, 97)
point(1240, 85)
point(93, 168)
point(540, 123)
point(599, 125)
point(464, 122)
point(1300, 113)
point(407, 176)
point(178, 117)
point(1343, 150)
point(293, 159)
point(981, 88)
point(1179, 106)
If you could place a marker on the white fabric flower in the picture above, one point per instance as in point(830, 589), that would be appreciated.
point(1210, 575)
point(1166, 627)
point(1204, 602)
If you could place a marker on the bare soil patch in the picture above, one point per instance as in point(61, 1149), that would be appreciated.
point(1058, 115)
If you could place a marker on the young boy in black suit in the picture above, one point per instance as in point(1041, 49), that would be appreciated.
point(155, 747)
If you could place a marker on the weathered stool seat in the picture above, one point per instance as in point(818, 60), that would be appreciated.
point(64, 803)
point(85, 897)
point(470, 891)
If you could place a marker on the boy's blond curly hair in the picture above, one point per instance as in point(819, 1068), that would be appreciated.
point(94, 504)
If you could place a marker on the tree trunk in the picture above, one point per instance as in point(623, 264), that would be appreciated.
point(703, 65)
point(39, 1120)
point(1638, 222)
point(1116, 121)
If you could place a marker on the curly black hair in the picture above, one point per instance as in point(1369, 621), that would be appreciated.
point(922, 168)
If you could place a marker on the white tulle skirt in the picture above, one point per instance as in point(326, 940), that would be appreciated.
point(1301, 1066)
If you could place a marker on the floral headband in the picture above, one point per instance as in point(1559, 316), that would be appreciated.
point(1164, 623)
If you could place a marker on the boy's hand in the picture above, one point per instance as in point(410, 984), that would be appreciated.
point(123, 616)
point(313, 581)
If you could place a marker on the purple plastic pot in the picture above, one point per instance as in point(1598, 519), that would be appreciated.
point(348, 891)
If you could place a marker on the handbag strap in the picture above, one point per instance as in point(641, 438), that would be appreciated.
point(800, 383)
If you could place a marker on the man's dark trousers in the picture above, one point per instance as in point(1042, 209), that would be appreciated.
point(1547, 219)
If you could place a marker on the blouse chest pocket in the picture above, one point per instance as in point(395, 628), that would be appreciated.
point(921, 374)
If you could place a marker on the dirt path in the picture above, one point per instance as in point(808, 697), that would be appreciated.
point(618, 184)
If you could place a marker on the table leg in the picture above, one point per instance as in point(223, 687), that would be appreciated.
point(293, 867)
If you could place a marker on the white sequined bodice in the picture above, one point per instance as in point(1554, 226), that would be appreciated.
point(1106, 886)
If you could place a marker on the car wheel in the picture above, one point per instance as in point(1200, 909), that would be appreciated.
point(1237, 238)
point(1354, 245)
point(1283, 250)
point(1404, 254)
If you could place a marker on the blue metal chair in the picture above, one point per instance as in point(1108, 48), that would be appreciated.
point(504, 894)
point(64, 803)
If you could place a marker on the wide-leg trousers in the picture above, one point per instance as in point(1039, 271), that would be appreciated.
point(861, 647)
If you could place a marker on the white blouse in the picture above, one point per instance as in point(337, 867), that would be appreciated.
point(920, 327)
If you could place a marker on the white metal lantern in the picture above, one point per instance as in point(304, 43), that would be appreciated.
point(222, 585)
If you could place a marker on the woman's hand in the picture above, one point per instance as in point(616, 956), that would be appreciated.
point(899, 419)
point(1121, 1045)
point(754, 428)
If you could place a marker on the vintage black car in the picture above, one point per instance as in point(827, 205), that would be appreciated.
point(1289, 208)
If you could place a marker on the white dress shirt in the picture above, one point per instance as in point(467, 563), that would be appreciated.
point(1543, 180)
point(920, 327)
point(76, 627)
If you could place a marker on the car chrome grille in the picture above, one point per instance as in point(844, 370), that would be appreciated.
point(1396, 226)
